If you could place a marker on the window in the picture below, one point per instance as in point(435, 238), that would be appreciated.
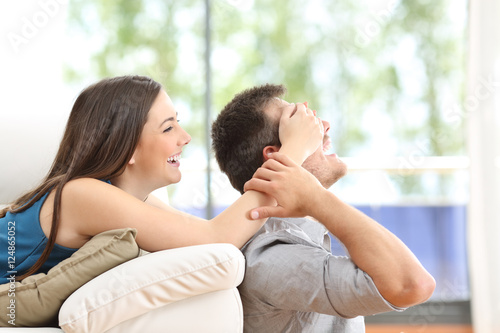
point(388, 75)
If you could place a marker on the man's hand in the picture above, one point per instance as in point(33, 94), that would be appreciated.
point(292, 186)
point(301, 133)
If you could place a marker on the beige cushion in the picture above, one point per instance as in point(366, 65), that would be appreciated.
point(39, 297)
point(150, 282)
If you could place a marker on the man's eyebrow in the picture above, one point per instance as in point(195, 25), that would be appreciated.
point(168, 119)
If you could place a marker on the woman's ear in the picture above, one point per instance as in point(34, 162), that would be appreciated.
point(132, 160)
point(269, 150)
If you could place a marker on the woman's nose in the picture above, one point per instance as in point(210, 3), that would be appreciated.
point(188, 139)
point(185, 138)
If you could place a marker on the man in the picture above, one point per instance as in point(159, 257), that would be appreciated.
point(292, 282)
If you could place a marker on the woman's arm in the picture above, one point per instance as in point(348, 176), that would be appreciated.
point(91, 206)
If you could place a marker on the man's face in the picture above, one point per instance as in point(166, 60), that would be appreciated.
point(327, 168)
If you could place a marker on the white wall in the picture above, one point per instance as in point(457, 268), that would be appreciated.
point(34, 104)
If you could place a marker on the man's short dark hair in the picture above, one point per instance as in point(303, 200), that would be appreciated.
point(242, 130)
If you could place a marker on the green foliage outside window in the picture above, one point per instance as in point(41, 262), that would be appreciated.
point(384, 73)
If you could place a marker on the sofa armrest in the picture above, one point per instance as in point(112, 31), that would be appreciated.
point(150, 282)
point(216, 312)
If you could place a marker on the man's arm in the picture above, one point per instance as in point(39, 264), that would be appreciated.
point(287, 270)
point(395, 270)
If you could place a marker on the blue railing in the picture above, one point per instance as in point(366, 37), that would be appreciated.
point(435, 234)
point(434, 230)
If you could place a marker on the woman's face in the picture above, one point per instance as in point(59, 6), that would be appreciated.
point(158, 153)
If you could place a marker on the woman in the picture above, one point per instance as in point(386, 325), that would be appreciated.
point(121, 142)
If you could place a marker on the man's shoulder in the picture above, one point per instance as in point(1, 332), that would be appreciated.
point(287, 231)
point(278, 224)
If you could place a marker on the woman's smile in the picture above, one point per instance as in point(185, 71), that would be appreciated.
point(174, 160)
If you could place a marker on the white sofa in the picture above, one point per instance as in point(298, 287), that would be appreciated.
point(191, 289)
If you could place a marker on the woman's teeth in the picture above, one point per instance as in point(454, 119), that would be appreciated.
point(173, 159)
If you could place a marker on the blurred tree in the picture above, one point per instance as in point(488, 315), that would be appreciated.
point(160, 39)
point(383, 72)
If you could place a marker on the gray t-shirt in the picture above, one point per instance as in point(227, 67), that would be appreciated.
point(293, 283)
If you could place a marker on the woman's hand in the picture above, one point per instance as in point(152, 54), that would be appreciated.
point(293, 187)
point(301, 133)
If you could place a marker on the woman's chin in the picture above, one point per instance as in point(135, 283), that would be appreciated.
point(174, 180)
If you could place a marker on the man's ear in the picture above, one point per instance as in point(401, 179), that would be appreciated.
point(269, 150)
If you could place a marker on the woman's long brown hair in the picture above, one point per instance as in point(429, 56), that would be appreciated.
point(101, 135)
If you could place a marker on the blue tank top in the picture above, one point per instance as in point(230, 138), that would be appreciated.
point(22, 242)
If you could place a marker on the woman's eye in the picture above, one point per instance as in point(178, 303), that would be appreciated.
point(170, 127)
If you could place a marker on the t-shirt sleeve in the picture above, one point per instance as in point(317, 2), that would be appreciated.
point(299, 277)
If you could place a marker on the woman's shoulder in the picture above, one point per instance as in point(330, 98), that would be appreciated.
point(85, 186)
point(94, 192)
point(91, 206)
point(88, 180)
